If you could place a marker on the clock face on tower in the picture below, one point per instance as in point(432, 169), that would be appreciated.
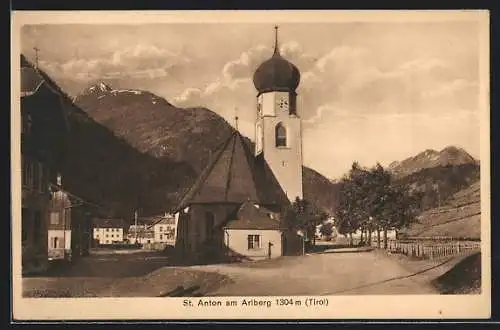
point(283, 103)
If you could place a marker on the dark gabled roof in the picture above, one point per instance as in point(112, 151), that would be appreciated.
point(25, 63)
point(250, 216)
point(30, 81)
point(235, 175)
point(108, 223)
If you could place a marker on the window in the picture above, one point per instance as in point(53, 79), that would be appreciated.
point(36, 176)
point(97, 236)
point(55, 242)
point(161, 237)
point(107, 229)
point(55, 218)
point(41, 177)
point(107, 241)
point(280, 135)
point(38, 227)
point(27, 173)
point(26, 125)
point(259, 108)
point(24, 224)
point(161, 228)
point(112, 236)
point(107, 235)
point(253, 242)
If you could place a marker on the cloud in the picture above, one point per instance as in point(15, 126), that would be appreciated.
point(139, 61)
point(233, 86)
point(385, 138)
point(450, 89)
point(338, 56)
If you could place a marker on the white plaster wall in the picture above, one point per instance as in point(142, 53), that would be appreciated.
point(285, 162)
point(66, 238)
point(100, 235)
point(237, 240)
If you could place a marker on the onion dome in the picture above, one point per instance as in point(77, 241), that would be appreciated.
point(276, 73)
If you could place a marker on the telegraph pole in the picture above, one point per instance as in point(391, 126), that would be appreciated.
point(36, 49)
point(135, 219)
point(236, 118)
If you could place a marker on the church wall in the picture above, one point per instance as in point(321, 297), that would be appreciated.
point(193, 230)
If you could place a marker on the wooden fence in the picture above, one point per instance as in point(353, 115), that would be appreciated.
point(432, 249)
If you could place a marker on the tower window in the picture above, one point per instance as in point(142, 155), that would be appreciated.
point(280, 135)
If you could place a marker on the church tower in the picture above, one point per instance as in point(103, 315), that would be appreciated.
point(278, 135)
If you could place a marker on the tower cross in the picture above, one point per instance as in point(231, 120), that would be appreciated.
point(276, 46)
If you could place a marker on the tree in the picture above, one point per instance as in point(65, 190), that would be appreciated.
point(351, 212)
point(326, 229)
point(370, 201)
point(304, 215)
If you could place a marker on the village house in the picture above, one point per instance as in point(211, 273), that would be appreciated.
point(70, 226)
point(142, 233)
point(49, 212)
point(43, 128)
point(107, 231)
point(165, 229)
point(234, 208)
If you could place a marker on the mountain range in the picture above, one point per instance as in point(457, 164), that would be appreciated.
point(166, 147)
point(430, 158)
point(180, 138)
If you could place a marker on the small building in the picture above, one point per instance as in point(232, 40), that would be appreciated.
point(255, 233)
point(141, 232)
point(70, 225)
point(108, 231)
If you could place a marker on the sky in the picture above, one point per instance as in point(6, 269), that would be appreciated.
point(369, 91)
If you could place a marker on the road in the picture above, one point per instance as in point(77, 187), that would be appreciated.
point(149, 274)
point(107, 274)
point(323, 274)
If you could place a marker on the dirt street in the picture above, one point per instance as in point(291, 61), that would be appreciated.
point(322, 274)
point(149, 274)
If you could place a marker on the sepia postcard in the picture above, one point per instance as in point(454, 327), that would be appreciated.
point(196, 165)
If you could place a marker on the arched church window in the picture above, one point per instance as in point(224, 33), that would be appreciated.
point(280, 135)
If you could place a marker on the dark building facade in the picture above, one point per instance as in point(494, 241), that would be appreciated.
point(43, 128)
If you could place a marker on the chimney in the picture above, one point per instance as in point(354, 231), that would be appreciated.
point(59, 179)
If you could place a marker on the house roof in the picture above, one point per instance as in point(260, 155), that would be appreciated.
point(37, 76)
point(30, 81)
point(108, 223)
point(235, 175)
point(169, 220)
point(249, 216)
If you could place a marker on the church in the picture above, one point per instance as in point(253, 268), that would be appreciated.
point(234, 209)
